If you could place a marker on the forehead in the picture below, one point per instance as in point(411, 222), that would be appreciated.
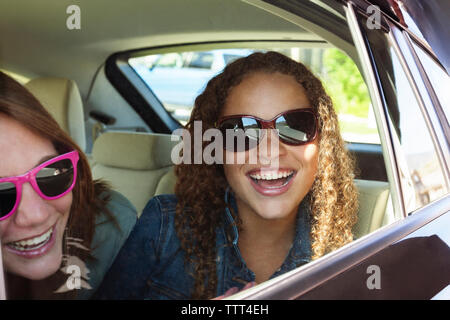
point(22, 149)
point(265, 95)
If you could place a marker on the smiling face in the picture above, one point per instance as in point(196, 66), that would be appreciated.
point(32, 237)
point(271, 191)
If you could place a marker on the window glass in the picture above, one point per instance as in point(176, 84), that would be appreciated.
point(438, 77)
point(201, 60)
point(422, 178)
point(177, 87)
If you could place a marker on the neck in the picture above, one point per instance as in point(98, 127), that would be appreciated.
point(266, 232)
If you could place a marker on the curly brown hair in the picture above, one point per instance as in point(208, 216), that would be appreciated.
point(200, 188)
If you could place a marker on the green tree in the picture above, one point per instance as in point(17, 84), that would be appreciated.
point(344, 84)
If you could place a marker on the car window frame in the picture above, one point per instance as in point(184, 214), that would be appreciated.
point(436, 102)
point(297, 282)
point(424, 98)
point(2, 277)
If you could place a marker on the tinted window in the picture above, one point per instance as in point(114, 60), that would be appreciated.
point(438, 77)
point(421, 175)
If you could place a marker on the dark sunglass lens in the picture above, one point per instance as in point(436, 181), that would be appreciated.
point(8, 196)
point(56, 178)
point(240, 134)
point(296, 127)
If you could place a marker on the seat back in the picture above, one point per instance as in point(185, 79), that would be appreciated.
point(62, 99)
point(135, 164)
point(373, 201)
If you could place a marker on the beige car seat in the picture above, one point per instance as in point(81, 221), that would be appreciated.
point(373, 201)
point(135, 164)
point(62, 99)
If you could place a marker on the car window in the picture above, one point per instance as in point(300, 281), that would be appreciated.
point(177, 87)
point(439, 79)
point(421, 175)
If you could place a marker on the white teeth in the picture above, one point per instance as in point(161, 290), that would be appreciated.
point(271, 175)
point(32, 244)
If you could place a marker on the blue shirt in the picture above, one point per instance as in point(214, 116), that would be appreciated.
point(151, 263)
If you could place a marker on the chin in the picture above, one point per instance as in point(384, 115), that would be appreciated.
point(39, 268)
point(272, 209)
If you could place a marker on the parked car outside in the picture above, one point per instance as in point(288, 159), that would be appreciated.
point(188, 72)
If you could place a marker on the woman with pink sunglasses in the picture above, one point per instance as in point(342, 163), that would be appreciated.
point(59, 229)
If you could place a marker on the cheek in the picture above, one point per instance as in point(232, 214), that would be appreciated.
point(3, 227)
point(63, 205)
point(311, 154)
point(230, 171)
point(308, 156)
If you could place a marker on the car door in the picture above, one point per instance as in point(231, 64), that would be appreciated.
point(410, 258)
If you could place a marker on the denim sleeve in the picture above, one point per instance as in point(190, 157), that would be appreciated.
point(127, 278)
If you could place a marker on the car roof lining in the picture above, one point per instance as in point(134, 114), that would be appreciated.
point(35, 41)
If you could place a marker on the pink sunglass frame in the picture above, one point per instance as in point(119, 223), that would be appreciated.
point(30, 177)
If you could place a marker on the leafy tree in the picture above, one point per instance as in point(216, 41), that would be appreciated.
point(344, 83)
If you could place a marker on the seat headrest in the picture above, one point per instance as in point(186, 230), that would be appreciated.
point(62, 99)
point(133, 150)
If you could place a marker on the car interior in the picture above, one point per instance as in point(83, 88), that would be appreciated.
point(85, 81)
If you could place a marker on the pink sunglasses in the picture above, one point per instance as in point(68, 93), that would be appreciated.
point(51, 180)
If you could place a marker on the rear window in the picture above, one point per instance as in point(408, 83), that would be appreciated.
point(177, 78)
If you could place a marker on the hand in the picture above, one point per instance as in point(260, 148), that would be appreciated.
point(235, 290)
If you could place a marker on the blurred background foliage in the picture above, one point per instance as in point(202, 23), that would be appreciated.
point(345, 84)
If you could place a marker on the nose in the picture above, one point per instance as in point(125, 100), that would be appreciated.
point(270, 149)
point(32, 210)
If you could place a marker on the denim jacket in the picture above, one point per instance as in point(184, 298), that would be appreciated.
point(151, 263)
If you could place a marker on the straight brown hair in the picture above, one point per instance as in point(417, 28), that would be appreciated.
point(19, 104)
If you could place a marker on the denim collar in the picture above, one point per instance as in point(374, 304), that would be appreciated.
point(300, 251)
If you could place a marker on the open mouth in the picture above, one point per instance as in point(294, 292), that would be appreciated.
point(272, 180)
point(32, 244)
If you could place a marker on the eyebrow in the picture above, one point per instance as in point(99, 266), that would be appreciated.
point(39, 162)
point(45, 158)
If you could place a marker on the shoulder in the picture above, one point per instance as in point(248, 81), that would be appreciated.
point(158, 219)
point(109, 236)
point(121, 209)
point(151, 249)
point(165, 203)
point(159, 211)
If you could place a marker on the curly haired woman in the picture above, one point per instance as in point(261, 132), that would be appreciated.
point(229, 225)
